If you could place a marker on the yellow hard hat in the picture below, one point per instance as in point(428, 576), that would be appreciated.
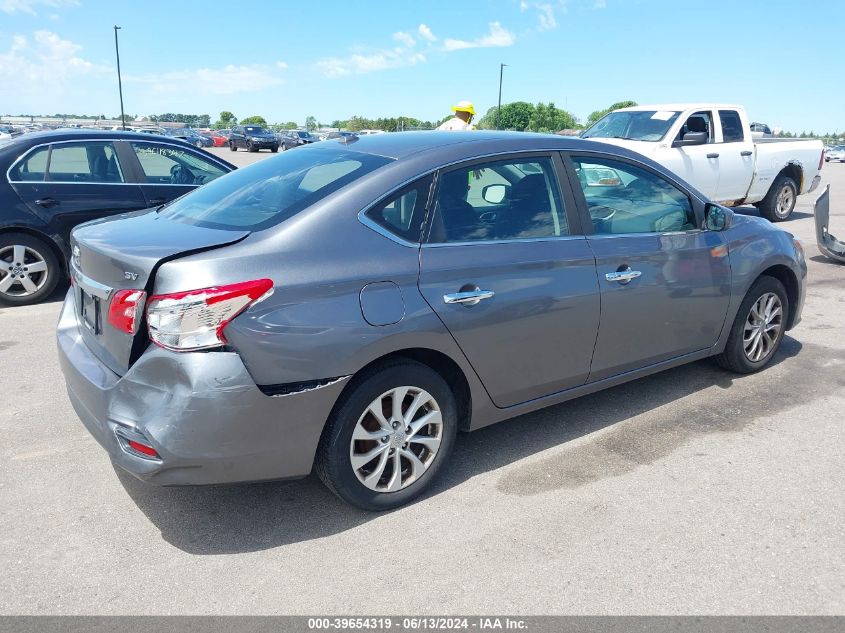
point(464, 106)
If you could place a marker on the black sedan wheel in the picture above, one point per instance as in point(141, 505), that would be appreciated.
point(29, 270)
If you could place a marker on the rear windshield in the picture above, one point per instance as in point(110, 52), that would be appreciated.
point(273, 190)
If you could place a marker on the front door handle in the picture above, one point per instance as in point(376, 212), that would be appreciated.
point(468, 298)
point(46, 202)
point(746, 152)
point(623, 276)
point(713, 155)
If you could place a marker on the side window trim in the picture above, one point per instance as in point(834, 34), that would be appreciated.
point(570, 211)
point(696, 204)
point(141, 175)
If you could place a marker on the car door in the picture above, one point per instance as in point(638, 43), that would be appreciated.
point(736, 157)
point(167, 171)
point(516, 287)
point(696, 164)
point(70, 182)
point(665, 282)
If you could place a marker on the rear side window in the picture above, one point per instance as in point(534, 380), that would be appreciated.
point(32, 168)
point(168, 165)
point(731, 126)
point(403, 213)
point(273, 190)
point(94, 162)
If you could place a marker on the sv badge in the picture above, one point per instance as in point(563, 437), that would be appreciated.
point(130, 276)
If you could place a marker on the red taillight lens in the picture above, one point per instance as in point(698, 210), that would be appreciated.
point(125, 310)
point(142, 448)
point(193, 320)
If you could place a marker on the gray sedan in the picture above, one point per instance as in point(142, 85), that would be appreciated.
point(350, 306)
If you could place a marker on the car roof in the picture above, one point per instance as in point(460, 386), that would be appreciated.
point(682, 107)
point(74, 134)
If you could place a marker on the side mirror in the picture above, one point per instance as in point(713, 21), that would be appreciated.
point(494, 194)
point(691, 138)
point(717, 218)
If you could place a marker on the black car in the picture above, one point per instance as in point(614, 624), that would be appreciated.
point(301, 137)
point(191, 136)
point(56, 180)
point(252, 138)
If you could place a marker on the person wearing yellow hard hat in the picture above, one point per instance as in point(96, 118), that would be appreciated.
point(464, 111)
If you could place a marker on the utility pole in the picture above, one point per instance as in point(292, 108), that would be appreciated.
point(119, 84)
point(499, 107)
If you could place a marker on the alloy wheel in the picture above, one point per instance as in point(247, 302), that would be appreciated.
point(785, 201)
point(396, 439)
point(762, 327)
point(23, 271)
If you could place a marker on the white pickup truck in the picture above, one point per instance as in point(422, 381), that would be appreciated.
point(711, 147)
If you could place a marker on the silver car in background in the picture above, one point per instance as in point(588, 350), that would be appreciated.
point(350, 306)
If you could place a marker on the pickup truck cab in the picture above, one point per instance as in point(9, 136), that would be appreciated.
point(712, 148)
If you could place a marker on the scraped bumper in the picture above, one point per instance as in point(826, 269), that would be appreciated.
point(201, 412)
point(827, 243)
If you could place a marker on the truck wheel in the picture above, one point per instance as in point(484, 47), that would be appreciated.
point(29, 270)
point(758, 328)
point(388, 436)
point(779, 203)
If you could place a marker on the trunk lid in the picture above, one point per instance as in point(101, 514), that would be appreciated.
point(124, 252)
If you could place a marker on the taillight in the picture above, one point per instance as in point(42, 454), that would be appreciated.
point(125, 310)
point(194, 320)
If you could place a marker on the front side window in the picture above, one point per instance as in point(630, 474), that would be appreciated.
point(731, 126)
point(94, 162)
point(272, 191)
point(403, 213)
point(698, 122)
point(622, 198)
point(168, 165)
point(501, 200)
point(32, 168)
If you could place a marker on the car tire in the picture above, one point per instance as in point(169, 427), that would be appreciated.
point(16, 251)
point(233, 147)
point(250, 147)
point(199, 144)
point(779, 202)
point(740, 355)
point(274, 149)
point(352, 415)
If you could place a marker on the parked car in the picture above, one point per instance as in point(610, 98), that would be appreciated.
point(152, 130)
point(56, 180)
point(711, 147)
point(252, 138)
point(340, 134)
point(191, 136)
point(217, 139)
point(760, 130)
point(287, 140)
point(835, 154)
point(257, 328)
point(303, 137)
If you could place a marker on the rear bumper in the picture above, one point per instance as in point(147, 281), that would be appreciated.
point(201, 412)
point(815, 184)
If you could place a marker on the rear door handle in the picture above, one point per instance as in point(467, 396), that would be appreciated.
point(746, 152)
point(623, 276)
point(46, 202)
point(714, 155)
point(469, 298)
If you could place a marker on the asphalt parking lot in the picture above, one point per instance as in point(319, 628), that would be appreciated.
point(693, 491)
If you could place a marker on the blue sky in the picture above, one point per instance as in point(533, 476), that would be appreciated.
point(287, 60)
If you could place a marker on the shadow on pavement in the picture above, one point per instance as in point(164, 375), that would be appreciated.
point(253, 517)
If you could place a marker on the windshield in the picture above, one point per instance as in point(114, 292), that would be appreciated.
point(267, 193)
point(254, 129)
point(636, 125)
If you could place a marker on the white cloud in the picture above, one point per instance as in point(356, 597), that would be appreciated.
point(29, 6)
point(404, 38)
point(600, 4)
point(47, 58)
point(227, 80)
point(365, 63)
point(282, 65)
point(496, 37)
point(546, 12)
point(426, 33)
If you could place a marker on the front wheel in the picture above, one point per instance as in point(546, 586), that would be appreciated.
point(758, 328)
point(29, 270)
point(199, 144)
point(779, 202)
point(233, 147)
point(251, 148)
point(274, 149)
point(389, 436)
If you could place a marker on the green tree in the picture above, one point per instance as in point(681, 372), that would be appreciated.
point(595, 116)
point(548, 118)
point(513, 116)
point(310, 123)
point(255, 119)
point(226, 120)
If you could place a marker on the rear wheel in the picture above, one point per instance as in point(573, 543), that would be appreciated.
point(29, 270)
point(388, 438)
point(758, 328)
point(779, 202)
point(199, 144)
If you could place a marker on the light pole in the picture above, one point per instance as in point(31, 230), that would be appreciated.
point(119, 84)
point(499, 107)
